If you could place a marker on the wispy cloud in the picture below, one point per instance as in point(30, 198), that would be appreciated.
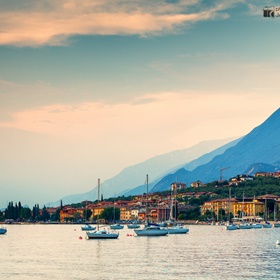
point(53, 22)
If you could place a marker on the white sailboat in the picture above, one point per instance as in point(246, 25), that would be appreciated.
point(101, 233)
point(243, 224)
point(229, 225)
point(116, 225)
point(87, 226)
point(150, 230)
point(175, 228)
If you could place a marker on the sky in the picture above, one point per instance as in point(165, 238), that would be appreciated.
point(90, 87)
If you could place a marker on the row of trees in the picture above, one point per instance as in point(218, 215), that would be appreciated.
point(17, 212)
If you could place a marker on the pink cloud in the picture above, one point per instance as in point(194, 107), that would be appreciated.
point(52, 26)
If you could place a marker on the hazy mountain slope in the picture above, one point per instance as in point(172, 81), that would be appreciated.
point(157, 166)
point(189, 166)
point(262, 144)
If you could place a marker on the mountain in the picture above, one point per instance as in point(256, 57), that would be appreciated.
point(135, 175)
point(261, 145)
point(189, 166)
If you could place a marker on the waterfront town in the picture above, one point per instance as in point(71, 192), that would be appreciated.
point(157, 207)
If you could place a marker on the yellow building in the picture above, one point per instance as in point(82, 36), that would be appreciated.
point(249, 208)
point(68, 214)
point(125, 214)
point(218, 204)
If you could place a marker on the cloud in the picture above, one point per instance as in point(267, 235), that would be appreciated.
point(53, 22)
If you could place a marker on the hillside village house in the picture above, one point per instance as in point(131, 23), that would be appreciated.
point(197, 184)
point(178, 186)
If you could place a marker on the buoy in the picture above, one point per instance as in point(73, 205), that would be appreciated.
point(127, 234)
point(80, 237)
point(74, 229)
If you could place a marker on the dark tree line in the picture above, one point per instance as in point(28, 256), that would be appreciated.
point(16, 212)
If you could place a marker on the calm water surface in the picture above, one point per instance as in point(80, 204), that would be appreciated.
point(206, 252)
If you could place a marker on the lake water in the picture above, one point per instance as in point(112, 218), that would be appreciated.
point(206, 252)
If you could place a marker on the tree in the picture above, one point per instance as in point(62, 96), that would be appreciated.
point(108, 214)
point(45, 216)
point(25, 213)
point(56, 215)
point(87, 213)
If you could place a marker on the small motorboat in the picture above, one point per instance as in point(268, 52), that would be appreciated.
point(116, 226)
point(102, 234)
point(88, 227)
point(133, 225)
point(3, 230)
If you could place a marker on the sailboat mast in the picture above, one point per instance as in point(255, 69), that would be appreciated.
point(98, 204)
point(147, 196)
point(229, 197)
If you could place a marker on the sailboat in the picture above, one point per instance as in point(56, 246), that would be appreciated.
point(101, 233)
point(175, 228)
point(229, 225)
point(150, 229)
point(116, 226)
point(87, 226)
point(243, 224)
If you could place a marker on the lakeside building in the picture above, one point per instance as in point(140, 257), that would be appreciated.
point(216, 205)
point(249, 208)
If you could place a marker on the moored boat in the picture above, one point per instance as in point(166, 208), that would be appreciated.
point(231, 227)
point(256, 225)
point(267, 225)
point(133, 225)
point(103, 233)
point(3, 230)
point(177, 229)
point(151, 230)
point(87, 227)
point(116, 226)
point(244, 225)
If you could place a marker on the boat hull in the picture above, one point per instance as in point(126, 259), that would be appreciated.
point(133, 226)
point(116, 227)
point(276, 225)
point(267, 225)
point(86, 228)
point(177, 230)
point(245, 226)
point(102, 234)
point(256, 226)
point(151, 231)
point(3, 230)
point(232, 227)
